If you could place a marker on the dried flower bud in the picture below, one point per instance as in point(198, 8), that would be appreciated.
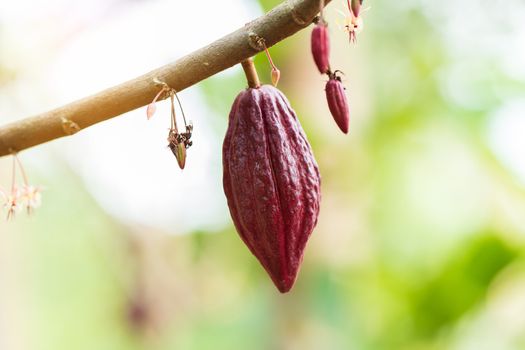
point(179, 142)
point(337, 101)
point(320, 45)
point(179, 151)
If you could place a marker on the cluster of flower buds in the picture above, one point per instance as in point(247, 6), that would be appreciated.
point(320, 46)
point(178, 142)
point(26, 196)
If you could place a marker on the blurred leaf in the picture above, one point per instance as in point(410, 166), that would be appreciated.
point(461, 285)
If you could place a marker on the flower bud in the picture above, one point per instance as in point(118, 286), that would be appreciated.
point(337, 102)
point(321, 47)
point(276, 75)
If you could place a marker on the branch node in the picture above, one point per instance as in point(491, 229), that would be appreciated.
point(159, 82)
point(251, 73)
point(256, 42)
point(166, 89)
point(69, 126)
point(165, 92)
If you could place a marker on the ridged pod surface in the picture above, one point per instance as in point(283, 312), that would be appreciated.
point(337, 102)
point(271, 181)
point(320, 45)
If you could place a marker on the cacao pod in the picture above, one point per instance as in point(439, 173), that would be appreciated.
point(337, 102)
point(356, 7)
point(320, 45)
point(271, 181)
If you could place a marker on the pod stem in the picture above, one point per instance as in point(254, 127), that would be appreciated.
point(251, 73)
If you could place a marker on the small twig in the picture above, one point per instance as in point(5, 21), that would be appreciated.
point(251, 73)
point(13, 175)
point(22, 170)
point(181, 109)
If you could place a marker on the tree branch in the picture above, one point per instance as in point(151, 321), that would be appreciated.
point(278, 24)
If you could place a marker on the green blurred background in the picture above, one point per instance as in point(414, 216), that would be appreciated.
point(420, 242)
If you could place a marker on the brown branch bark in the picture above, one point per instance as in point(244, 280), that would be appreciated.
point(278, 24)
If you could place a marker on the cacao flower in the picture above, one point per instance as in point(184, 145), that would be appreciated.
point(354, 22)
point(271, 181)
point(337, 101)
point(320, 45)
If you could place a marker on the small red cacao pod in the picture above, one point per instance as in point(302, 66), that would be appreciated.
point(337, 102)
point(320, 43)
point(271, 181)
point(356, 7)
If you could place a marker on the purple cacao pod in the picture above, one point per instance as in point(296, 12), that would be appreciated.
point(320, 44)
point(337, 102)
point(271, 181)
